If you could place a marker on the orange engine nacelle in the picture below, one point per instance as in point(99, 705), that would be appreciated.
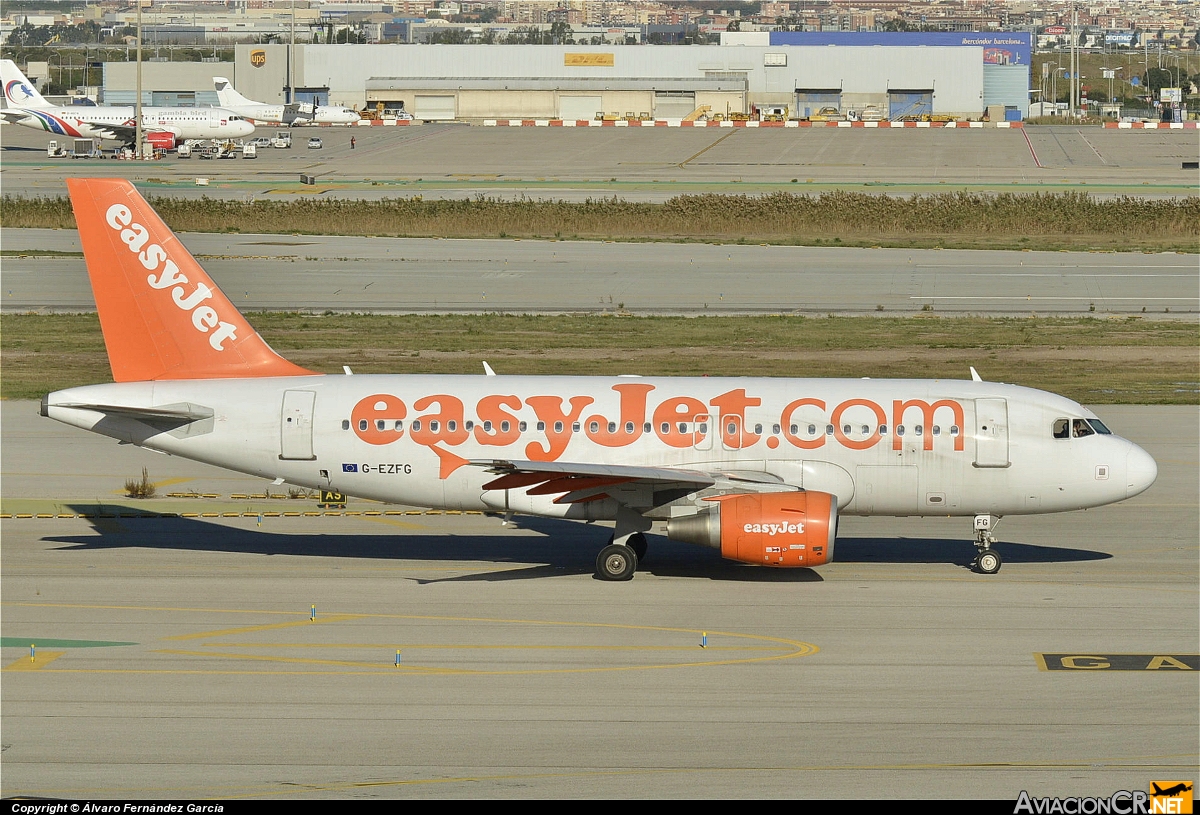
point(786, 529)
point(161, 139)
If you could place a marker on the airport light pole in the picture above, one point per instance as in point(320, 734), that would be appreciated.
point(137, 104)
point(290, 93)
point(1074, 64)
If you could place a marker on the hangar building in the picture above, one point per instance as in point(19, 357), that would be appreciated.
point(439, 82)
point(898, 75)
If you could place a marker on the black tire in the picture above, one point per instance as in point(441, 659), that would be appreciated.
point(988, 562)
point(616, 562)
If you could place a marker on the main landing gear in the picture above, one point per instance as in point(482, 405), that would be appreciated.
point(988, 560)
point(618, 561)
point(627, 546)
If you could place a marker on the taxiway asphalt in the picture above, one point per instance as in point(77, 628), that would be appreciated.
point(646, 164)
point(179, 658)
point(284, 272)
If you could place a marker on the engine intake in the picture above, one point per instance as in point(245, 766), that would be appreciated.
point(786, 529)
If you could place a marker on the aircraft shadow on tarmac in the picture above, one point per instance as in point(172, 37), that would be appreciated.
point(559, 548)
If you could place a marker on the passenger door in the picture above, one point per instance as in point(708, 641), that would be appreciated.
point(296, 426)
point(991, 433)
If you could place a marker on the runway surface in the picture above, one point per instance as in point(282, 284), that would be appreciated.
point(178, 657)
point(648, 164)
point(281, 272)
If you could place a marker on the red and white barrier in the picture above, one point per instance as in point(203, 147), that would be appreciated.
point(359, 123)
point(1152, 125)
point(727, 123)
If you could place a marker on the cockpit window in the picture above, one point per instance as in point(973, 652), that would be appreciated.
point(1078, 428)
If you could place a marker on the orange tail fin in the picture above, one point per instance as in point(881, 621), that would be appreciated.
point(162, 315)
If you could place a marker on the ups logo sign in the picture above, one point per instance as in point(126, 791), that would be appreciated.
point(258, 58)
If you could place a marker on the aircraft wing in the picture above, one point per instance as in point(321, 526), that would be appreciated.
point(642, 487)
point(121, 133)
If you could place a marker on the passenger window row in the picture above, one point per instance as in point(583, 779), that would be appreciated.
point(865, 430)
point(684, 428)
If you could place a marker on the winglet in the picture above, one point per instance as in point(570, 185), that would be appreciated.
point(487, 369)
point(975, 377)
point(162, 316)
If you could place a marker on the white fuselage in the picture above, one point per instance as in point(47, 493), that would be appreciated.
point(330, 114)
point(264, 114)
point(89, 122)
point(882, 447)
point(281, 114)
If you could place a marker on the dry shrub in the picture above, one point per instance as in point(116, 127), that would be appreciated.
point(140, 489)
point(776, 217)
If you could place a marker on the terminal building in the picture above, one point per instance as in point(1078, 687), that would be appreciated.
point(796, 73)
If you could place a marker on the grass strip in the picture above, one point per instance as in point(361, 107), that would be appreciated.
point(1091, 360)
point(1072, 220)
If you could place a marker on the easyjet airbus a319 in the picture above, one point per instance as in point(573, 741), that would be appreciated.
point(759, 468)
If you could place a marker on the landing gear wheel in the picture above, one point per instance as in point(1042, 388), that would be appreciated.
point(616, 562)
point(637, 542)
point(988, 562)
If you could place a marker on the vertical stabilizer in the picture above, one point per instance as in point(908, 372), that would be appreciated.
point(163, 317)
point(19, 91)
point(227, 97)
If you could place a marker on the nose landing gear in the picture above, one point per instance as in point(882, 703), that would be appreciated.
point(987, 561)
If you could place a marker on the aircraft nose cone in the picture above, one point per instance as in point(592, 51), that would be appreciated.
point(1140, 471)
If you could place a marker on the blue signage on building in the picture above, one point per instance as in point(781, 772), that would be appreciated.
point(999, 48)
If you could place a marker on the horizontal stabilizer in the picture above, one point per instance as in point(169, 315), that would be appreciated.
point(185, 412)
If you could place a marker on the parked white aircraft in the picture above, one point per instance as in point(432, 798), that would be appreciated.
point(161, 126)
point(758, 468)
point(296, 112)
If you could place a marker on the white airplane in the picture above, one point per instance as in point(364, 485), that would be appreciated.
point(758, 468)
point(280, 114)
point(161, 126)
